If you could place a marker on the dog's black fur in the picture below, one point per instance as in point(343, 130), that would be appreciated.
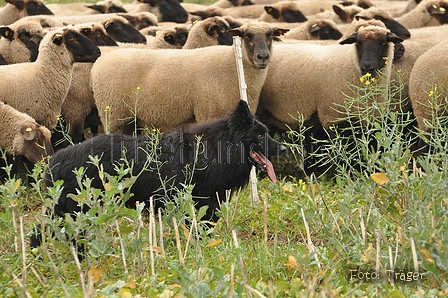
point(228, 148)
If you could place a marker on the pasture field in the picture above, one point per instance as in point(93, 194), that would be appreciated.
point(374, 225)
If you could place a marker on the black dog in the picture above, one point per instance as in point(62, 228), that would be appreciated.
point(222, 160)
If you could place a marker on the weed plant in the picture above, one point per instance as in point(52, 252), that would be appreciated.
point(378, 229)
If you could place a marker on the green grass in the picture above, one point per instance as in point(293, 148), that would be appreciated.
point(382, 212)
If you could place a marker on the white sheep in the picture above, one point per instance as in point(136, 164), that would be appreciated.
point(39, 88)
point(68, 9)
point(319, 29)
point(325, 71)
point(283, 11)
point(208, 32)
point(21, 135)
point(20, 41)
point(17, 9)
point(139, 83)
point(428, 86)
point(426, 13)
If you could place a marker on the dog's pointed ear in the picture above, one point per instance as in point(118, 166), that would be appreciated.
point(242, 115)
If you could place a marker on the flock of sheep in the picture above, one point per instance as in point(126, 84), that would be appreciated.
point(161, 63)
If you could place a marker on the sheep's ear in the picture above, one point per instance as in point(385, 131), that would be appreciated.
point(279, 31)
point(107, 24)
point(436, 9)
point(28, 132)
point(211, 28)
point(236, 32)
point(20, 4)
point(58, 39)
point(7, 32)
point(98, 8)
point(393, 38)
point(274, 12)
point(86, 31)
point(246, 3)
point(169, 38)
point(340, 12)
point(315, 27)
point(351, 39)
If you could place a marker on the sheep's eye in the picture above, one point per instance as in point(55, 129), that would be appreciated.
point(384, 43)
point(359, 43)
point(260, 137)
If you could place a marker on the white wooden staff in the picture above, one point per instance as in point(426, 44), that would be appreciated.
point(243, 87)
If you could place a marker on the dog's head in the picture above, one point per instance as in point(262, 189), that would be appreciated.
point(255, 137)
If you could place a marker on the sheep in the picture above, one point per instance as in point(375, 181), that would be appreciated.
point(138, 83)
point(68, 9)
point(315, 29)
point(340, 14)
point(120, 29)
point(141, 20)
point(283, 11)
point(170, 38)
point(17, 9)
point(56, 21)
point(96, 32)
point(209, 32)
point(3, 60)
point(428, 86)
point(374, 13)
point(165, 10)
point(284, 95)
point(239, 12)
point(27, 87)
point(20, 41)
point(426, 13)
point(21, 135)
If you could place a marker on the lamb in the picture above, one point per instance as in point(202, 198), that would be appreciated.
point(20, 41)
point(26, 87)
point(209, 32)
point(428, 85)
point(138, 84)
point(314, 29)
point(283, 95)
point(17, 9)
point(21, 135)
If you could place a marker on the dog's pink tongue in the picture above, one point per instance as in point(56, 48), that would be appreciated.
point(269, 167)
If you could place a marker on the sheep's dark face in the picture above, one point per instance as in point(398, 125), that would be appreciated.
point(29, 35)
point(98, 35)
point(139, 22)
point(219, 30)
point(322, 30)
point(372, 48)
point(81, 47)
point(287, 14)
point(36, 8)
point(257, 42)
point(169, 10)
point(122, 31)
point(35, 143)
point(390, 24)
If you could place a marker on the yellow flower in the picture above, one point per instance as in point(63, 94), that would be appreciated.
point(107, 109)
point(385, 60)
point(138, 87)
point(431, 93)
point(367, 79)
